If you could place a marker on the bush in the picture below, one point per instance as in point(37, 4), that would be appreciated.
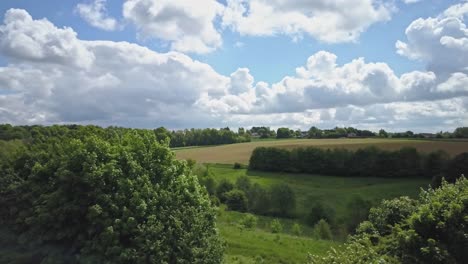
point(243, 183)
point(322, 230)
point(236, 200)
point(283, 200)
point(318, 211)
point(249, 221)
point(276, 226)
point(237, 166)
point(296, 229)
point(357, 211)
point(259, 199)
point(224, 186)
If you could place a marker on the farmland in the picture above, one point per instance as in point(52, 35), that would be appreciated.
point(229, 154)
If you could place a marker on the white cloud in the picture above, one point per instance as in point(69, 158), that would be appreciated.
point(187, 25)
point(442, 41)
point(40, 41)
point(411, 1)
point(328, 21)
point(54, 77)
point(95, 14)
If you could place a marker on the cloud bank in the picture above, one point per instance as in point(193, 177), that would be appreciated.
point(54, 77)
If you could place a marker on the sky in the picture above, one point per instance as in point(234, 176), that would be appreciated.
point(392, 64)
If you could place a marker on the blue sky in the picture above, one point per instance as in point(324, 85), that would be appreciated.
point(247, 72)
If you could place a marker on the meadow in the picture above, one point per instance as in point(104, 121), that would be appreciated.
point(259, 244)
point(229, 154)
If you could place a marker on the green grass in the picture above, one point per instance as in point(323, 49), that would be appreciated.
point(333, 191)
point(259, 244)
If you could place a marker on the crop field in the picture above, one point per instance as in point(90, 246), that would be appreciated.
point(229, 154)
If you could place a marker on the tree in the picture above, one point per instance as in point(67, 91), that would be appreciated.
point(390, 213)
point(319, 211)
point(124, 199)
point(236, 200)
point(283, 199)
point(224, 186)
point(259, 199)
point(457, 166)
point(243, 183)
point(461, 132)
point(162, 135)
point(296, 229)
point(284, 132)
point(358, 211)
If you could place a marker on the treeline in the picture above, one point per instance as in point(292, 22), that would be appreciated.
point(202, 137)
point(181, 138)
point(365, 162)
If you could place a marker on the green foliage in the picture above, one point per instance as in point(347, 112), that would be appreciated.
point(391, 212)
point(431, 230)
point(110, 198)
point(249, 221)
point(236, 200)
point(276, 226)
point(243, 183)
point(368, 162)
point(259, 199)
point(322, 230)
point(237, 166)
point(284, 132)
point(357, 211)
point(224, 186)
point(283, 200)
point(318, 211)
point(296, 229)
point(461, 132)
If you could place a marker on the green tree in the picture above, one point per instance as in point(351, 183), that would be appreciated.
point(283, 199)
point(236, 200)
point(296, 229)
point(123, 199)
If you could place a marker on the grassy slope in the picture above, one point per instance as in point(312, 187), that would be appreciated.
point(247, 245)
point(228, 154)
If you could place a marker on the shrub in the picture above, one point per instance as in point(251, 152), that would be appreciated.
point(259, 199)
point(236, 200)
point(276, 226)
point(224, 186)
point(283, 199)
point(243, 183)
point(322, 230)
point(318, 211)
point(296, 229)
point(237, 166)
point(249, 221)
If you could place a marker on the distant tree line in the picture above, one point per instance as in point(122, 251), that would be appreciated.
point(180, 138)
point(365, 162)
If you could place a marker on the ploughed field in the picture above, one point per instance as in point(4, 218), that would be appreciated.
point(229, 154)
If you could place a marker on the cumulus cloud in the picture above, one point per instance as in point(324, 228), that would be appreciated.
point(187, 25)
point(23, 38)
point(95, 14)
point(328, 21)
point(442, 41)
point(54, 77)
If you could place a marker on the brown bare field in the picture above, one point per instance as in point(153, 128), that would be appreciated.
point(229, 154)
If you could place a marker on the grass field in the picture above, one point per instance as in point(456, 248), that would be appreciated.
point(249, 246)
point(229, 154)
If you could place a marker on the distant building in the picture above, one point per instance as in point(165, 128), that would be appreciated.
point(428, 135)
point(304, 134)
point(352, 135)
point(255, 135)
